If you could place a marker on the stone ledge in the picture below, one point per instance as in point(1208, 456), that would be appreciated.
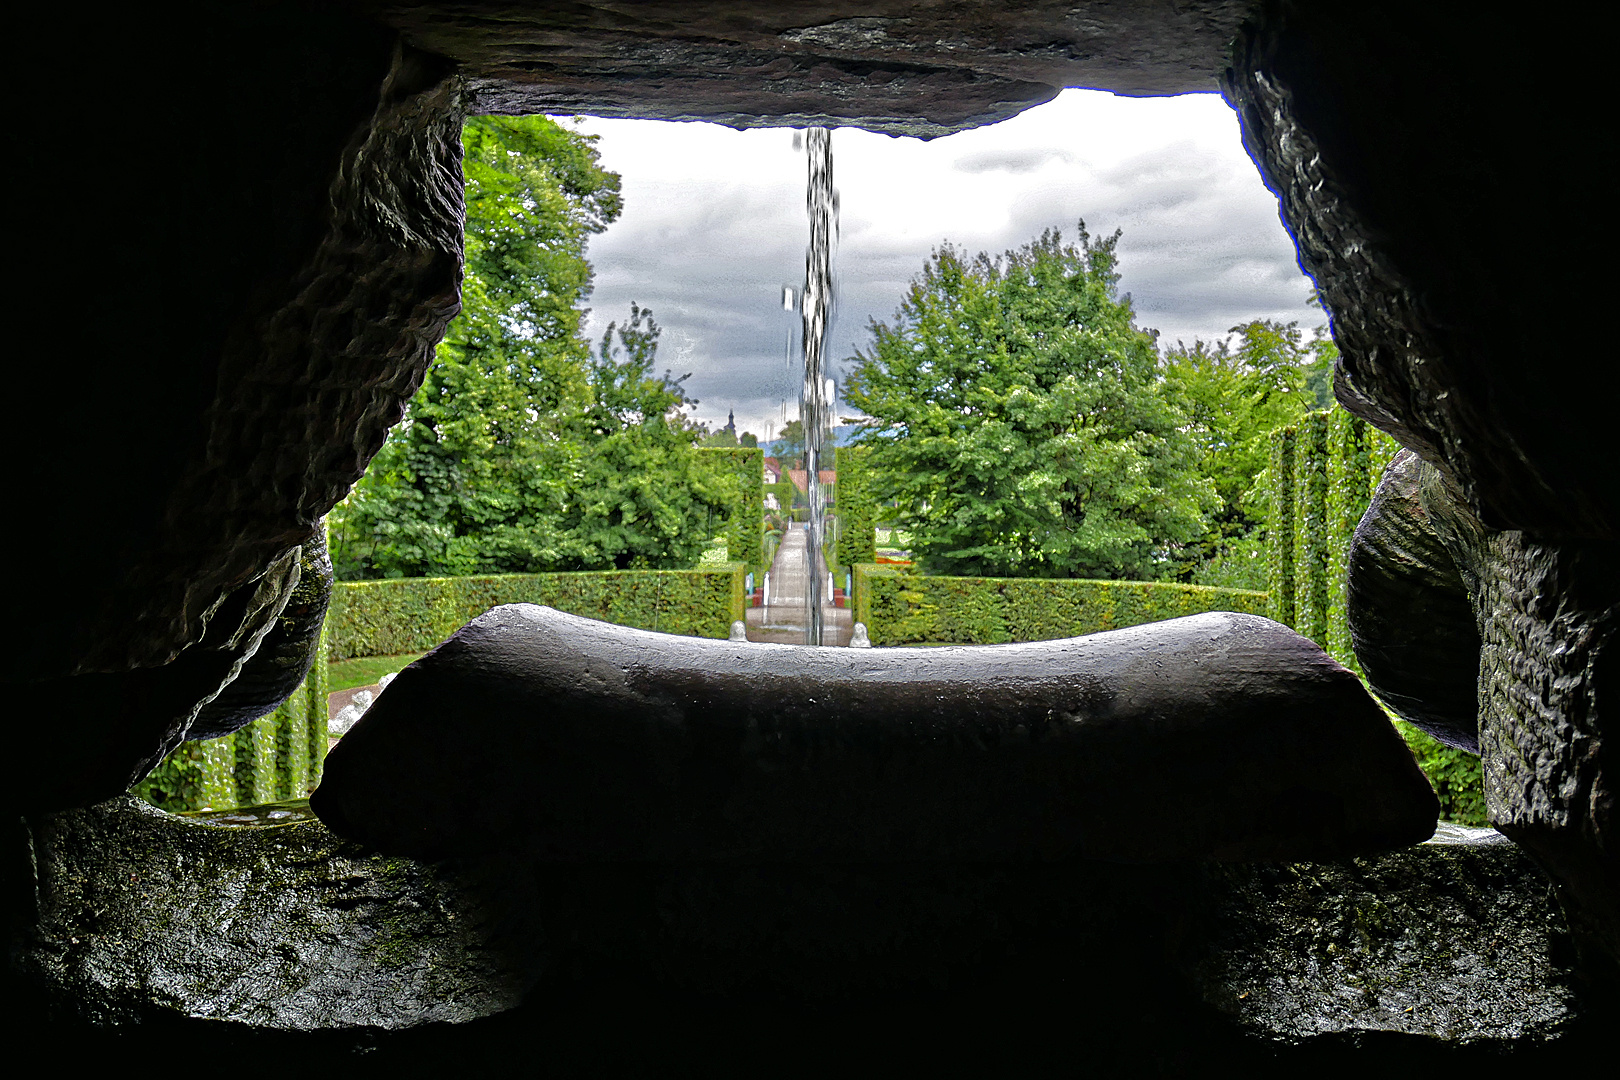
point(282, 927)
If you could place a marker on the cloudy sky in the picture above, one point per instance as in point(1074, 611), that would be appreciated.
point(714, 226)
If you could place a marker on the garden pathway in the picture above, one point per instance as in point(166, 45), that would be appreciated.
point(783, 619)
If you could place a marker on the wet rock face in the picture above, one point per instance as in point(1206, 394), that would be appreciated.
point(1457, 936)
point(920, 69)
point(132, 905)
point(103, 733)
point(1447, 614)
point(1215, 735)
point(1364, 120)
point(1410, 618)
point(282, 659)
point(1454, 944)
point(290, 195)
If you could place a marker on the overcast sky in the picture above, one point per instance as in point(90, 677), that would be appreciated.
point(714, 226)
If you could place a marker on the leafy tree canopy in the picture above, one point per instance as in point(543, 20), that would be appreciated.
point(1235, 393)
point(505, 460)
point(646, 498)
point(1016, 413)
point(790, 445)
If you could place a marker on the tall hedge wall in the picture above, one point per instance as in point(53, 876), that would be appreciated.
point(402, 615)
point(745, 523)
point(857, 509)
point(900, 607)
point(1321, 477)
point(276, 757)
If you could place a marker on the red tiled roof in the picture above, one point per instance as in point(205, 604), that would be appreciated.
point(801, 477)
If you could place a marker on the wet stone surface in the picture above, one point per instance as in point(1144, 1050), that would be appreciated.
point(1455, 939)
point(148, 921)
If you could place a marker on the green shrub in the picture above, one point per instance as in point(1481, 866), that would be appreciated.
point(857, 509)
point(1239, 564)
point(900, 607)
point(1455, 775)
point(402, 615)
point(745, 520)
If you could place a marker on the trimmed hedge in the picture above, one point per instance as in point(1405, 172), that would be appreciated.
point(402, 615)
point(857, 509)
point(901, 607)
point(745, 521)
point(276, 757)
point(1320, 479)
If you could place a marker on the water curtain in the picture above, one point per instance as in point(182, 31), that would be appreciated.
point(816, 308)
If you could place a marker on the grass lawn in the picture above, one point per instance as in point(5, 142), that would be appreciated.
point(364, 670)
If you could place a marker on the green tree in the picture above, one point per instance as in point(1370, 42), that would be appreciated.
point(789, 446)
point(1016, 414)
point(522, 451)
point(644, 497)
point(1234, 393)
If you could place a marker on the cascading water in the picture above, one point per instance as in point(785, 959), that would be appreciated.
point(816, 308)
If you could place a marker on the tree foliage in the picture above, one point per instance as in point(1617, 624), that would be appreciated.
point(646, 497)
point(1235, 392)
point(507, 458)
point(1016, 414)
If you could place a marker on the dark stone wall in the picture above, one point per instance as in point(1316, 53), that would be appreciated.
point(1449, 951)
point(893, 65)
point(1400, 141)
point(281, 255)
point(1396, 147)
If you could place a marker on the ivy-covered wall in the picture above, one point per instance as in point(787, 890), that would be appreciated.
point(402, 615)
point(900, 607)
point(745, 524)
point(857, 509)
point(1320, 479)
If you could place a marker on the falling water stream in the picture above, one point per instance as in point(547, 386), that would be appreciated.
point(816, 307)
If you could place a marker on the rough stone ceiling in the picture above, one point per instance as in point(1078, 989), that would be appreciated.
point(917, 68)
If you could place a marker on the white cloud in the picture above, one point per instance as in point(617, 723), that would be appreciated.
point(714, 226)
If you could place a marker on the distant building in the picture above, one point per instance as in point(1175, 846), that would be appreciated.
point(801, 478)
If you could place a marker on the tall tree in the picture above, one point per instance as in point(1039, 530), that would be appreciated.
point(1235, 392)
point(476, 479)
point(522, 451)
point(1015, 412)
point(644, 496)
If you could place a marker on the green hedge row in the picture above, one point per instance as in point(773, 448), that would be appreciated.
point(276, 757)
point(745, 522)
point(1320, 479)
point(403, 615)
point(900, 607)
point(279, 756)
point(857, 508)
